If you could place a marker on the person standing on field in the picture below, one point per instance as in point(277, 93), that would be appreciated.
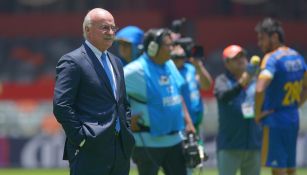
point(90, 102)
point(281, 89)
point(239, 137)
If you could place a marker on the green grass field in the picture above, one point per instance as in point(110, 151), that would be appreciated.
point(210, 171)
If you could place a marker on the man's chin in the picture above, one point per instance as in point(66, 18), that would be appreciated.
point(108, 42)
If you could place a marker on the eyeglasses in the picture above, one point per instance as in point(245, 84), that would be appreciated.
point(106, 28)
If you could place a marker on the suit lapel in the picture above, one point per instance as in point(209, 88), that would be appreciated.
point(102, 75)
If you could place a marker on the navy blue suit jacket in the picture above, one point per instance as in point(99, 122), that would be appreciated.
point(85, 106)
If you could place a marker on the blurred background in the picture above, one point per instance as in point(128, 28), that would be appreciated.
point(34, 34)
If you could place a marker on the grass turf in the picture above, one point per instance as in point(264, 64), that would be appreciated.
point(206, 171)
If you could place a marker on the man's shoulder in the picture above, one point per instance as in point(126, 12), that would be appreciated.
point(189, 65)
point(74, 55)
point(134, 67)
point(222, 76)
point(172, 67)
point(223, 80)
point(282, 52)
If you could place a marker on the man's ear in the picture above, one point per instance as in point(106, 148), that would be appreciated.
point(87, 29)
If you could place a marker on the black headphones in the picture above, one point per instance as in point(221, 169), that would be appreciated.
point(154, 45)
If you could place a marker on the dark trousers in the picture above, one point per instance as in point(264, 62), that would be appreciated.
point(149, 160)
point(121, 164)
point(111, 162)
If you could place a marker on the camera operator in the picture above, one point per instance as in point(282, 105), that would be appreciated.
point(188, 60)
point(153, 84)
point(196, 78)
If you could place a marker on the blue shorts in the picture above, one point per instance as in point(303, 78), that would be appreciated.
point(279, 147)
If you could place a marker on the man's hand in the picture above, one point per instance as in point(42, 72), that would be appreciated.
point(134, 123)
point(190, 127)
point(245, 79)
point(262, 115)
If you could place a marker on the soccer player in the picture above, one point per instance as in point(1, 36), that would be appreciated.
point(280, 90)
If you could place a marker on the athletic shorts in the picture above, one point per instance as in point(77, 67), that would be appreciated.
point(279, 147)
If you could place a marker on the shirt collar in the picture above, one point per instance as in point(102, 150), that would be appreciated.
point(97, 52)
point(230, 75)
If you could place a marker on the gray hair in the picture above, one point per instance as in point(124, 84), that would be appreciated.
point(86, 23)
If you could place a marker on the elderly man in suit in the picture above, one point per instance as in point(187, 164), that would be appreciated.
point(90, 102)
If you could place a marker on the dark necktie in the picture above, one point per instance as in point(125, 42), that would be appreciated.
point(110, 77)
